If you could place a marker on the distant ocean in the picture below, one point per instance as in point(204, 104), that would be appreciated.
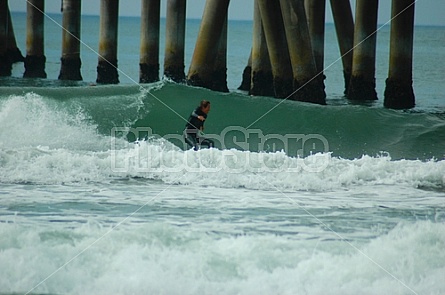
point(98, 195)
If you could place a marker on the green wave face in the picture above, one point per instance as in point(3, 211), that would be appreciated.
point(348, 131)
point(247, 122)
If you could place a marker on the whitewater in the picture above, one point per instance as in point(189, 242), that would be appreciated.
point(85, 212)
point(98, 194)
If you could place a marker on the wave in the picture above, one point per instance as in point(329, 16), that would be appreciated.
point(160, 160)
point(69, 135)
point(409, 259)
point(349, 131)
point(263, 171)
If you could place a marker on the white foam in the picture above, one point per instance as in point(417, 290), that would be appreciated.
point(156, 258)
point(268, 171)
point(44, 144)
point(31, 121)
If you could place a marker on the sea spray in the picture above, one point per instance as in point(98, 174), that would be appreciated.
point(152, 256)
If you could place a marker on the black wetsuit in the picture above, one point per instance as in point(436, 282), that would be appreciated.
point(192, 128)
point(193, 122)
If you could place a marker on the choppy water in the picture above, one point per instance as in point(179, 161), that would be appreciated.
point(336, 199)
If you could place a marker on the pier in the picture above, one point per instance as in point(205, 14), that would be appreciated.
point(149, 47)
point(35, 50)
point(208, 64)
point(362, 83)
point(174, 64)
point(70, 60)
point(399, 93)
point(107, 63)
point(286, 60)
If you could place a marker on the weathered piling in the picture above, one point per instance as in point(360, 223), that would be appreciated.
point(315, 14)
point(399, 93)
point(12, 50)
point(201, 71)
point(273, 26)
point(70, 60)
point(307, 82)
point(245, 83)
point(175, 40)
point(149, 48)
point(35, 55)
point(362, 84)
point(107, 64)
point(220, 67)
point(5, 62)
point(344, 27)
point(261, 77)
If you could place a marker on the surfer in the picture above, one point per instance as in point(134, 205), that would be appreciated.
point(193, 135)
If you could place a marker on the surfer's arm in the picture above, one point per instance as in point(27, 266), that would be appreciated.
point(194, 114)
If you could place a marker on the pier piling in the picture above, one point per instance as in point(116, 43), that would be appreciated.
point(245, 83)
point(175, 40)
point(149, 47)
point(35, 55)
point(13, 51)
point(261, 75)
point(273, 26)
point(344, 27)
point(219, 74)
point(307, 82)
point(70, 60)
point(5, 62)
point(286, 58)
point(211, 31)
point(315, 14)
point(362, 84)
point(399, 93)
point(107, 64)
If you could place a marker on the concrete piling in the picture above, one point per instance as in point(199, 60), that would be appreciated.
point(107, 64)
point(307, 82)
point(362, 84)
point(149, 47)
point(261, 77)
point(206, 49)
point(344, 27)
point(175, 40)
point(35, 56)
point(245, 83)
point(219, 75)
point(286, 58)
point(5, 62)
point(13, 51)
point(70, 60)
point(273, 26)
point(315, 14)
point(399, 93)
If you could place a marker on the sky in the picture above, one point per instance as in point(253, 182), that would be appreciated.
point(427, 12)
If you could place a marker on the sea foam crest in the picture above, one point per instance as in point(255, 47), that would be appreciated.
point(44, 143)
point(271, 171)
point(30, 120)
point(212, 167)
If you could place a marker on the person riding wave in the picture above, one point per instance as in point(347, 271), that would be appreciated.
point(193, 135)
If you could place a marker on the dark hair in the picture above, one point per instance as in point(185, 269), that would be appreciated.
point(204, 103)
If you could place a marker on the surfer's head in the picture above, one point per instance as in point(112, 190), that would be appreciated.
point(205, 106)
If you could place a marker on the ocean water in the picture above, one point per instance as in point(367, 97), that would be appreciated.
point(98, 195)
